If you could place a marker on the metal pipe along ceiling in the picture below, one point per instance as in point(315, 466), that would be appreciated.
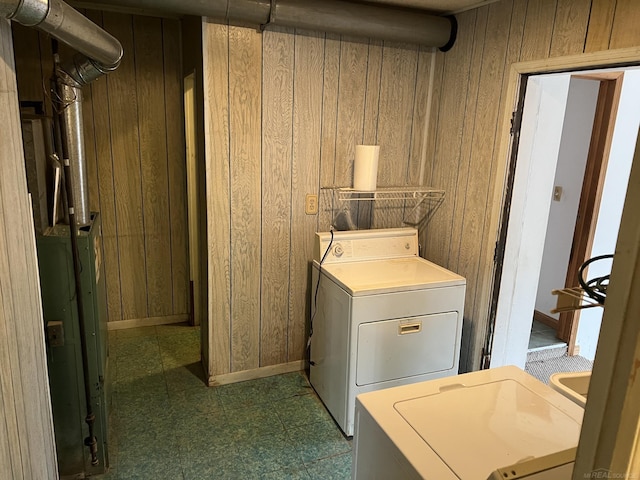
point(100, 53)
point(364, 21)
point(67, 25)
point(338, 16)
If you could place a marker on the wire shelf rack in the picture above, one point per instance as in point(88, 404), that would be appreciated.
point(347, 194)
point(384, 207)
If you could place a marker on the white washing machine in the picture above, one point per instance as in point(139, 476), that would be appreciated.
point(383, 317)
point(469, 427)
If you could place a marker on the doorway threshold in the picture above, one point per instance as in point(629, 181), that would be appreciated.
point(546, 352)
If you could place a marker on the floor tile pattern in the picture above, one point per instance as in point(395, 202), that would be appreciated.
point(167, 424)
point(542, 336)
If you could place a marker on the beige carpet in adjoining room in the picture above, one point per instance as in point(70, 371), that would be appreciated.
point(543, 369)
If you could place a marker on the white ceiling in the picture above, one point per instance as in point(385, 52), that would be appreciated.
point(437, 6)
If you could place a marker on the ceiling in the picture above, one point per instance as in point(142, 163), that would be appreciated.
point(435, 6)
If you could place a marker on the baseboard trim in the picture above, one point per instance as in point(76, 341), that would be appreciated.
point(147, 322)
point(545, 319)
point(256, 373)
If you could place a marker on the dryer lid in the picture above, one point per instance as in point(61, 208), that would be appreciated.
point(390, 275)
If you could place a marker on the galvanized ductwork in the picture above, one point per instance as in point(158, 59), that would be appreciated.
point(363, 21)
point(99, 53)
point(337, 16)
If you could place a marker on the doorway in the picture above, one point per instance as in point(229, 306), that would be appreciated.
point(193, 206)
point(607, 96)
point(577, 188)
point(541, 141)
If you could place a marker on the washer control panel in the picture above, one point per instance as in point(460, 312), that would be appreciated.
point(360, 245)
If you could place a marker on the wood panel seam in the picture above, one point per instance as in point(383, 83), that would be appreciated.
point(291, 184)
point(227, 27)
point(337, 108)
point(584, 44)
point(407, 174)
point(459, 148)
point(473, 130)
point(553, 27)
point(164, 111)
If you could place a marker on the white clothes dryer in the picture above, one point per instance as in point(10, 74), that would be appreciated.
point(383, 317)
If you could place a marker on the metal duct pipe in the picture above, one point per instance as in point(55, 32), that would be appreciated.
point(246, 11)
point(100, 53)
point(338, 16)
point(71, 99)
point(250, 11)
point(67, 25)
point(364, 20)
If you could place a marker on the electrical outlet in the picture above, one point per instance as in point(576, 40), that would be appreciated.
point(311, 204)
point(55, 334)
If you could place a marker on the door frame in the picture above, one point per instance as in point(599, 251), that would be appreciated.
point(522, 238)
point(592, 186)
point(503, 184)
point(193, 204)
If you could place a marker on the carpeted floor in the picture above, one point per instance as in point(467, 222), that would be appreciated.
point(542, 369)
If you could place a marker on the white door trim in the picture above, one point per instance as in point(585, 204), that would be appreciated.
point(541, 132)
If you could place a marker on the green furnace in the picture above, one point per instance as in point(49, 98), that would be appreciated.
point(64, 352)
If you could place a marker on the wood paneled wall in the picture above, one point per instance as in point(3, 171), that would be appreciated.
point(27, 445)
point(471, 83)
point(134, 132)
point(284, 110)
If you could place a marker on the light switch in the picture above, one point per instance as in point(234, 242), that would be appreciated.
point(557, 193)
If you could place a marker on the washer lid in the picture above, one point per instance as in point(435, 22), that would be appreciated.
point(390, 275)
point(477, 428)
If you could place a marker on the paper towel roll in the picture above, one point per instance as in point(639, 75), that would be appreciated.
point(365, 168)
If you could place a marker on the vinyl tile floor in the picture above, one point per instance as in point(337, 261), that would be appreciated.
point(543, 336)
point(165, 423)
